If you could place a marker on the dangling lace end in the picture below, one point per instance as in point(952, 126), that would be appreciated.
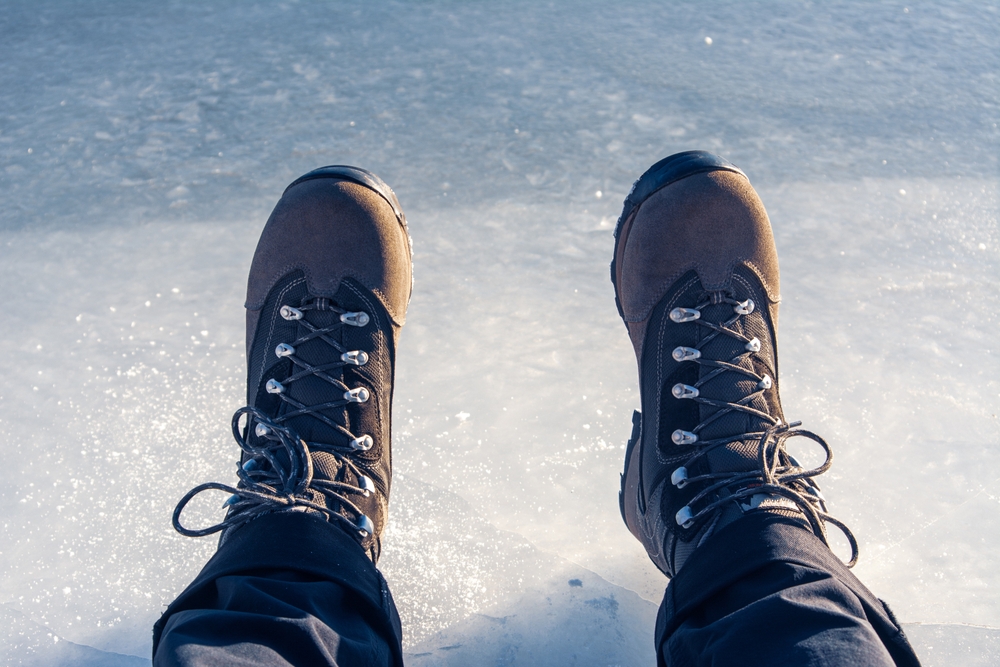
point(855, 550)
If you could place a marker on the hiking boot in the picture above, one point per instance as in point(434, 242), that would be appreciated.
point(696, 281)
point(326, 299)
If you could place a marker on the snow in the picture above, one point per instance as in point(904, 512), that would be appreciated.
point(144, 144)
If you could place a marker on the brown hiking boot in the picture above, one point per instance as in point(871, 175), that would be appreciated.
point(696, 281)
point(326, 299)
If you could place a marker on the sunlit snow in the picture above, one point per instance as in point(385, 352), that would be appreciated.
point(143, 145)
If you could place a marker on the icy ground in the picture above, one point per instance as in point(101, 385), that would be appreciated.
point(143, 145)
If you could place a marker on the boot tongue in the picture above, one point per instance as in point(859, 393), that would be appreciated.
point(730, 387)
point(312, 390)
point(325, 467)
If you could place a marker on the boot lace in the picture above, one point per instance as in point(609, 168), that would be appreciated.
point(278, 472)
point(777, 473)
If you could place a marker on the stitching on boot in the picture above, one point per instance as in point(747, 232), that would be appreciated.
point(775, 298)
point(338, 279)
point(270, 332)
point(659, 369)
point(647, 306)
point(374, 314)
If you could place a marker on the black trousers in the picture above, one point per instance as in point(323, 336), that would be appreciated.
point(291, 589)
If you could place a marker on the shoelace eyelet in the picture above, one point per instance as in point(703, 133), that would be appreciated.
point(744, 308)
point(358, 319)
point(752, 346)
point(684, 517)
point(274, 387)
point(290, 313)
point(365, 526)
point(681, 437)
point(765, 383)
point(284, 350)
point(681, 315)
point(355, 357)
point(366, 485)
point(685, 354)
point(681, 390)
point(356, 395)
point(679, 477)
point(362, 443)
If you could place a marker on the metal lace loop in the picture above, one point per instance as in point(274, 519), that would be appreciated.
point(278, 473)
point(283, 484)
point(344, 357)
point(778, 473)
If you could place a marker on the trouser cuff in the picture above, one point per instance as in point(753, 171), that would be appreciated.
point(303, 543)
point(746, 546)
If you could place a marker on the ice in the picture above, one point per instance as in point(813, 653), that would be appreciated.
point(143, 145)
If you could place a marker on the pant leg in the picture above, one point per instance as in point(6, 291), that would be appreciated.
point(287, 589)
point(766, 592)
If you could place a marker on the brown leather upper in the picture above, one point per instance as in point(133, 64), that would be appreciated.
point(333, 229)
point(709, 222)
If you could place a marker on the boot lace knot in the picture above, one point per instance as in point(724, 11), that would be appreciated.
point(778, 479)
point(278, 473)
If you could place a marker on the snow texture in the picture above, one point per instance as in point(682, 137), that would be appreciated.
point(143, 145)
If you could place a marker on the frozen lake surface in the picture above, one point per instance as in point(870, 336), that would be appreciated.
point(143, 146)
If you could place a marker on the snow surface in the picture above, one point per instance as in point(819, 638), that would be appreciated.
point(143, 145)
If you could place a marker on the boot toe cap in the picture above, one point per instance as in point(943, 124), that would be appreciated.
point(333, 229)
point(709, 222)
